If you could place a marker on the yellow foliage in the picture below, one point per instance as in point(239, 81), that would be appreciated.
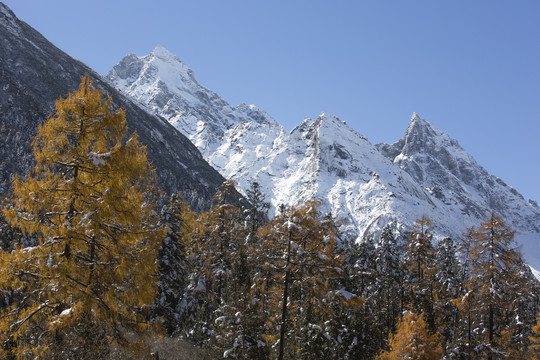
point(298, 250)
point(535, 340)
point(412, 341)
point(92, 269)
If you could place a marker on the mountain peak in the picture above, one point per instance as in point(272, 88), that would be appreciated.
point(420, 130)
point(415, 117)
point(162, 53)
point(168, 64)
point(416, 122)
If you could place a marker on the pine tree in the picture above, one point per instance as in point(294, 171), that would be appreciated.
point(300, 254)
point(388, 297)
point(173, 268)
point(447, 288)
point(412, 341)
point(364, 271)
point(418, 263)
point(241, 319)
point(255, 215)
point(212, 252)
point(88, 282)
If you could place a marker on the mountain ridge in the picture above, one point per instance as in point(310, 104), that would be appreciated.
point(365, 186)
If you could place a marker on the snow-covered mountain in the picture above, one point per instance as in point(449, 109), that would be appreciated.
point(166, 86)
point(365, 186)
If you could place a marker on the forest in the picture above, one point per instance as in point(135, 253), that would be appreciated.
point(97, 263)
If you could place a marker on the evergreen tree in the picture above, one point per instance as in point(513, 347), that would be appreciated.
point(364, 272)
point(300, 254)
point(448, 287)
point(212, 252)
point(522, 297)
point(388, 297)
point(241, 320)
point(256, 215)
point(88, 282)
point(419, 266)
point(353, 327)
point(173, 269)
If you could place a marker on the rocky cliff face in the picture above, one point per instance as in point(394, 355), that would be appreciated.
point(34, 73)
point(365, 186)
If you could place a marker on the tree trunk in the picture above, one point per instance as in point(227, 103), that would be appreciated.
point(283, 315)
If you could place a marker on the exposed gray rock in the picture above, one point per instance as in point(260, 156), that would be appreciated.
point(34, 73)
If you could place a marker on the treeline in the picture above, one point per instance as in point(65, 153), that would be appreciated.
point(290, 288)
point(93, 268)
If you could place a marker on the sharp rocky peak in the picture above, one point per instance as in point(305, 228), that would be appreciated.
point(420, 130)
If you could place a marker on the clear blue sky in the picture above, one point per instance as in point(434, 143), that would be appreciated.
point(471, 68)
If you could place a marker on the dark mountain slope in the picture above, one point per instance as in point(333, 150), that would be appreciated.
point(34, 73)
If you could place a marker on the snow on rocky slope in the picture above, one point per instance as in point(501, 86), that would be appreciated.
point(365, 186)
point(166, 86)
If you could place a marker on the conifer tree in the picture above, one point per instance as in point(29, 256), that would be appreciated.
point(523, 298)
point(418, 263)
point(256, 215)
point(353, 327)
point(412, 341)
point(173, 268)
point(87, 283)
point(300, 254)
point(388, 297)
point(241, 317)
point(499, 305)
point(447, 288)
point(364, 271)
point(212, 251)
point(241, 320)
point(492, 255)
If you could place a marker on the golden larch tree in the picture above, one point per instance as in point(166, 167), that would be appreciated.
point(85, 287)
point(412, 341)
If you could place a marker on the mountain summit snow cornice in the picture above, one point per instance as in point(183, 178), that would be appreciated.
point(365, 186)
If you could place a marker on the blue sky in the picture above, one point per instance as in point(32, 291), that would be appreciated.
point(471, 68)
